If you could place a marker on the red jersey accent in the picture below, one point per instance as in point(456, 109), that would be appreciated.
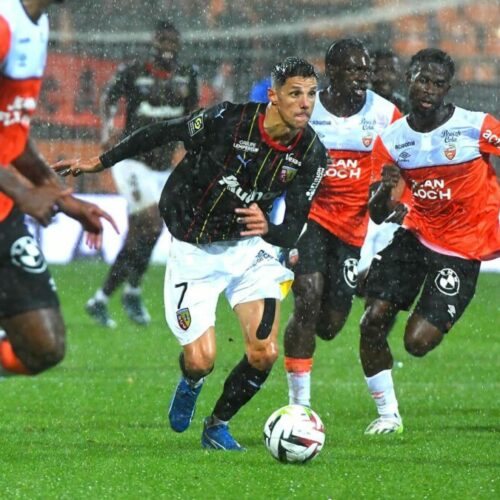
point(455, 203)
point(5, 36)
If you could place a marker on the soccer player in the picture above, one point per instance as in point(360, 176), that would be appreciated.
point(386, 77)
point(29, 307)
point(153, 90)
point(347, 117)
point(240, 158)
point(442, 153)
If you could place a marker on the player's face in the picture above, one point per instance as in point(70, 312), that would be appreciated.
point(295, 100)
point(385, 76)
point(352, 77)
point(428, 84)
point(166, 46)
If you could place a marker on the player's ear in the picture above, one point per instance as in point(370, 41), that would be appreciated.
point(272, 96)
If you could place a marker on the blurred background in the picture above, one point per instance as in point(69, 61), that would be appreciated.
point(235, 43)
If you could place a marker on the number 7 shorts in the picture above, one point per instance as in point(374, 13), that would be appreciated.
point(246, 270)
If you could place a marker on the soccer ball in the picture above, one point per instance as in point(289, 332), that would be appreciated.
point(294, 434)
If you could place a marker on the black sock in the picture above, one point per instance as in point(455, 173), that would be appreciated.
point(239, 388)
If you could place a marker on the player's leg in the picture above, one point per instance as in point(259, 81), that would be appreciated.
point(300, 332)
point(259, 321)
point(449, 287)
point(395, 277)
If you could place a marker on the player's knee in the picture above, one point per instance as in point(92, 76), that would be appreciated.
point(307, 295)
point(376, 320)
point(199, 366)
point(263, 358)
point(330, 327)
point(48, 354)
point(419, 343)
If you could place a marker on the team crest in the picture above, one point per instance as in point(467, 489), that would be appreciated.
point(367, 140)
point(184, 318)
point(447, 281)
point(287, 173)
point(351, 272)
point(450, 151)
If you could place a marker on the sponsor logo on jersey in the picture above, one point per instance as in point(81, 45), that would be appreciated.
point(367, 124)
point(315, 183)
point(351, 272)
point(247, 146)
point(184, 318)
point(147, 110)
point(195, 125)
point(321, 122)
point(291, 159)
point(450, 135)
point(403, 157)
point(431, 189)
point(450, 151)
point(405, 145)
point(492, 138)
point(287, 173)
point(367, 140)
point(233, 186)
point(19, 111)
point(343, 168)
point(24, 253)
point(447, 281)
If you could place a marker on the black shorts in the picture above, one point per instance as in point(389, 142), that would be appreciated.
point(25, 282)
point(405, 266)
point(320, 251)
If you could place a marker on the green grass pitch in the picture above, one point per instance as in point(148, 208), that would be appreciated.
point(96, 427)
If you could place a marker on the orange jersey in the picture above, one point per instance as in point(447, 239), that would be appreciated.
point(341, 203)
point(23, 53)
point(455, 196)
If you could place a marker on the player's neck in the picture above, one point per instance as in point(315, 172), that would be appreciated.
point(337, 103)
point(276, 128)
point(34, 8)
point(427, 123)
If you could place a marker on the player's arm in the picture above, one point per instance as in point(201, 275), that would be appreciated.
point(489, 139)
point(299, 197)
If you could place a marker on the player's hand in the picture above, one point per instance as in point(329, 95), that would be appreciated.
point(77, 167)
point(398, 215)
point(390, 177)
point(42, 202)
point(254, 219)
point(89, 216)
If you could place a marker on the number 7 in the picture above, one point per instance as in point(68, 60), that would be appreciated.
point(184, 286)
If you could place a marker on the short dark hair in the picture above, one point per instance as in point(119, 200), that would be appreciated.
point(335, 54)
point(383, 54)
point(165, 25)
point(436, 56)
point(291, 66)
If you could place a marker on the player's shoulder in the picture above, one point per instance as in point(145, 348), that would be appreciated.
point(379, 104)
point(467, 118)
point(312, 140)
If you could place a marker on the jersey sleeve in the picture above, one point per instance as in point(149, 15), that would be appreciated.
point(396, 115)
point(380, 156)
point(299, 197)
point(489, 140)
point(117, 87)
point(5, 38)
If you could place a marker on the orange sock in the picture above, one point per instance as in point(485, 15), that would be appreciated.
point(9, 361)
point(298, 365)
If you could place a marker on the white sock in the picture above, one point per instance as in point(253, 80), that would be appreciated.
point(299, 388)
point(100, 296)
point(131, 290)
point(381, 388)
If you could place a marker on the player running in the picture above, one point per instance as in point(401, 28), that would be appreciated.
point(153, 90)
point(240, 158)
point(29, 307)
point(442, 153)
point(347, 117)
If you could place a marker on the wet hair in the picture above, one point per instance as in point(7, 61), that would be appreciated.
point(436, 56)
point(290, 67)
point(383, 54)
point(337, 51)
point(165, 25)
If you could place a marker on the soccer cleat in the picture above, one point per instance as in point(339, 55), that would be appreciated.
point(385, 425)
point(218, 437)
point(135, 309)
point(182, 405)
point(98, 310)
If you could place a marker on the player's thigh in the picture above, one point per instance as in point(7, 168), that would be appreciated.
point(397, 272)
point(312, 248)
point(137, 183)
point(449, 287)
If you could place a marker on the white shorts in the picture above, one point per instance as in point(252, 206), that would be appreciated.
point(138, 184)
point(377, 238)
point(246, 270)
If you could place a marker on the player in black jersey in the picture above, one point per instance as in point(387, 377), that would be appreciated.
point(154, 89)
point(239, 159)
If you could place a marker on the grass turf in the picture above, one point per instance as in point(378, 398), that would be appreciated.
point(96, 427)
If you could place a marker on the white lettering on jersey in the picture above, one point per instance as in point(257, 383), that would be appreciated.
point(432, 189)
point(232, 184)
point(492, 138)
point(18, 112)
point(343, 168)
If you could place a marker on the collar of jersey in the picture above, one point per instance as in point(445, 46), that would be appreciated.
point(158, 73)
point(271, 142)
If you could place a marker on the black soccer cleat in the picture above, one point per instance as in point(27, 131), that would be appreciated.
point(135, 309)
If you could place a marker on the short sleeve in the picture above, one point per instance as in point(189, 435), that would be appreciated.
point(5, 38)
point(489, 139)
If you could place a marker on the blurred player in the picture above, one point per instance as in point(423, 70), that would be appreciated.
point(29, 307)
point(153, 90)
point(240, 159)
point(347, 117)
point(442, 153)
point(386, 77)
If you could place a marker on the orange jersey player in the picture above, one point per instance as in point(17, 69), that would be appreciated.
point(347, 117)
point(29, 307)
point(442, 153)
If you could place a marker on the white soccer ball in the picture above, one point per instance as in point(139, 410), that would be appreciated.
point(294, 434)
